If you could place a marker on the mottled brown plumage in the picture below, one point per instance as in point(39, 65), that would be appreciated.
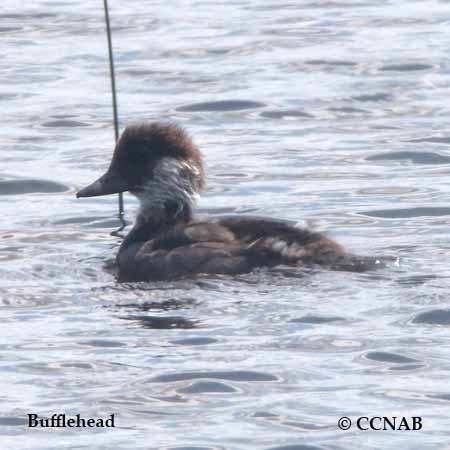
point(162, 167)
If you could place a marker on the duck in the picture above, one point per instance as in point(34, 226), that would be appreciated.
point(161, 166)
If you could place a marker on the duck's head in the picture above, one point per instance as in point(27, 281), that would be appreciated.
point(158, 163)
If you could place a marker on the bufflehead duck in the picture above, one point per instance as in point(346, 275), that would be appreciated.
point(162, 167)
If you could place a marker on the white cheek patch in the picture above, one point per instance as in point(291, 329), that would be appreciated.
point(173, 180)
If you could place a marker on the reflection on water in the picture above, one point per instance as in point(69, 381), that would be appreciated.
point(331, 114)
point(224, 105)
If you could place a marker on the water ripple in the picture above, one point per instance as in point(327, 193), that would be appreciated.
point(302, 112)
point(224, 105)
point(29, 186)
point(237, 375)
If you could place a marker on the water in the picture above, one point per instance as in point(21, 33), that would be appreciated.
point(332, 114)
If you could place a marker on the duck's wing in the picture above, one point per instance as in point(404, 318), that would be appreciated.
point(193, 233)
point(295, 245)
point(248, 229)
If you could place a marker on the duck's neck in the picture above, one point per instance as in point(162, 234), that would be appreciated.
point(152, 221)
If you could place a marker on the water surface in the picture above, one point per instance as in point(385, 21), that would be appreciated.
point(331, 114)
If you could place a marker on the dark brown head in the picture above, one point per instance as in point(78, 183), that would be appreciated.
point(156, 162)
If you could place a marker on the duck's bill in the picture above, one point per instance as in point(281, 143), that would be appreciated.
point(109, 183)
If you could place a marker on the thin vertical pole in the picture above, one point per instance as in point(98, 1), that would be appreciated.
point(114, 96)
